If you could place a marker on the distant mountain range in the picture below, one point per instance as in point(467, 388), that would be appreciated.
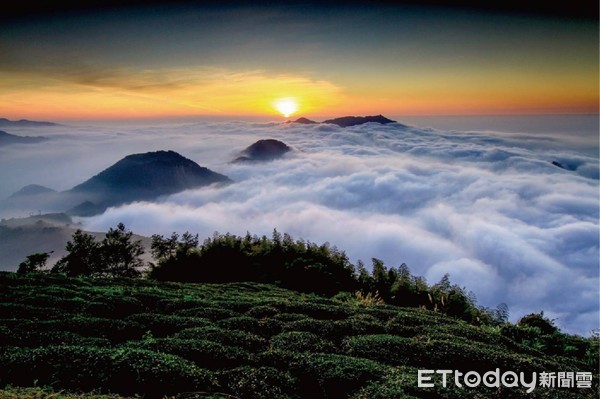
point(263, 150)
point(7, 138)
point(137, 177)
point(346, 121)
point(24, 123)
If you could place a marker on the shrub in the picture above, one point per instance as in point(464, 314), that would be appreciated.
point(70, 367)
point(113, 307)
point(163, 325)
point(261, 382)
point(358, 325)
point(322, 328)
point(114, 330)
point(243, 323)
point(301, 341)
point(157, 374)
point(262, 311)
point(205, 354)
point(211, 313)
point(334, 376)
point(239, 338)
point(317, 310)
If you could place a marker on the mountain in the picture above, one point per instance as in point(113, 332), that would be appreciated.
point(145, 176)
point(86, 208)
point(7, 138)
point(347, 121)
point(32, 189)
point(304, 121)
point(24, 123)
point(32, 199)
point(263, 150)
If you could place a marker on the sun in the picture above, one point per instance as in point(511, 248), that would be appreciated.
point(286, 106)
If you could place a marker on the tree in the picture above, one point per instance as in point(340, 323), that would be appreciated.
point(538, 320)
point(120, 255)
point(115, 256)
point(175, 257)
point(34, 262)
point(380, 275)
point(83, 258)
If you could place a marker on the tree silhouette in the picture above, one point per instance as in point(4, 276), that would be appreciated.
point(120, 254)
point(34, 262)
point(83, 258)
point(117, 255)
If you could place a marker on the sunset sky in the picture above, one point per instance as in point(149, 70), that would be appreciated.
point(189, 60)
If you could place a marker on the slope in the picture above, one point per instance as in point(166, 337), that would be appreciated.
point(247, 340)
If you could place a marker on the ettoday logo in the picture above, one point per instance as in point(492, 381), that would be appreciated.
point(508, 379)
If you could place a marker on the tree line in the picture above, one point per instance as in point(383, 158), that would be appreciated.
point(294, 264)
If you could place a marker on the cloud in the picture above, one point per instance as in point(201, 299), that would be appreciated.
point(488, 208)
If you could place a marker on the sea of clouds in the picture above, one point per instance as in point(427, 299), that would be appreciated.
point(488, 208)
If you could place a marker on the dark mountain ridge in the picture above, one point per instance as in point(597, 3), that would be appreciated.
point(7, 138)
point(346, 121)
point(137, 177)
point(146, 176)
point(263, 150)
point(24, 123)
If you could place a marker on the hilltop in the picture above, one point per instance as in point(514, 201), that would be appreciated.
point(263, 150)
point(347, 121)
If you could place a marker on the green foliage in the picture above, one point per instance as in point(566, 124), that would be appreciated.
point(301, 341)
point(300, 265)
point(259, 382)
point(335, 376)
point(115, 256)
point(10, 392)
point(163, 325)
point(204, 353)
point(83, 258)
point(120, 255)
point(537, 320)
point(34, 262)
point(242, 339)
point(127, 371)
point(252, 340)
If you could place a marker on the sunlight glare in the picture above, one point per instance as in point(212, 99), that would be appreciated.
point(286, 106)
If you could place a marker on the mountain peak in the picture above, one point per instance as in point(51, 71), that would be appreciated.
point(32, 189)
point(346, 121)
point(146, 176)
point(263, 150)
point(304, 121)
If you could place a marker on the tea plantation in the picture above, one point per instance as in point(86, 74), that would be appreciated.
point(76, 338)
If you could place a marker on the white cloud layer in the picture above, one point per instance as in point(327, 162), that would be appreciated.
point(488, 208)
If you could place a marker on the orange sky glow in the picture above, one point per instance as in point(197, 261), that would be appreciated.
point(225, 62)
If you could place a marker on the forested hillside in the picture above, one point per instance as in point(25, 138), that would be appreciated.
point(252, 340)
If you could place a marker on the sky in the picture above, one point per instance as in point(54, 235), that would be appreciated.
point(162, 60)
point(475, 197)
